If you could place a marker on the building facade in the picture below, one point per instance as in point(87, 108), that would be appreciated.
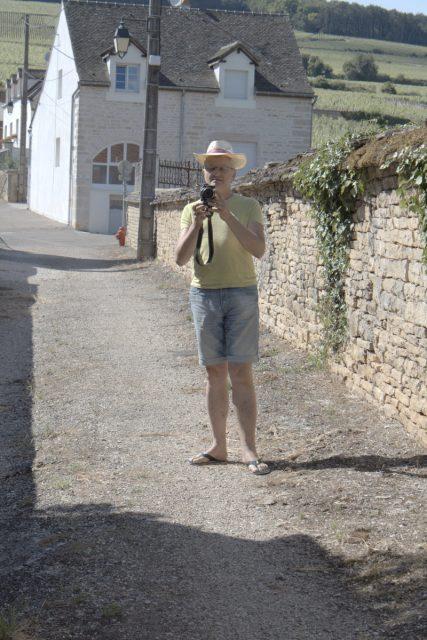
point(244, 83)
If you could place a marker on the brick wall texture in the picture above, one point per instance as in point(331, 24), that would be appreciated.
point(385, 358)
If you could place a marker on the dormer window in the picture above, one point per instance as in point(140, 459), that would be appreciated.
point(234, 68)
point(127, 77)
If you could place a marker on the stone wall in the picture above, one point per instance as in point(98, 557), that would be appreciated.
point(385, 358)
point(9, 185)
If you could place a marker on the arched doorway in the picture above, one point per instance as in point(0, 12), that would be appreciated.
point(107, 189)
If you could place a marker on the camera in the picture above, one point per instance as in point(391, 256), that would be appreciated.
point(207, 193)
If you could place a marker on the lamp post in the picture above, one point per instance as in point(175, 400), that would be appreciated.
point(147, 187)
point(121, 39)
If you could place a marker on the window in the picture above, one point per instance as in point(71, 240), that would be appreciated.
point(127, 77)
point(17, 127)
point(236, 85)
point(5, 131)
point(59, 85)
point(105, 168)
point(57, 151)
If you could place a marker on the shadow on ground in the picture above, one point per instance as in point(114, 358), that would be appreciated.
point(367, 463)
point(93, 572)
point(64, 263)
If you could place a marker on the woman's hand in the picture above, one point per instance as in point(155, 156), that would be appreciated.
point(200, 212)
point(220, 206)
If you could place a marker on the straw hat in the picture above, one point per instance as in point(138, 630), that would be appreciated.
point(222, 148)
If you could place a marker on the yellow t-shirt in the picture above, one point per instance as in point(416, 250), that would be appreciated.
point(232, 265)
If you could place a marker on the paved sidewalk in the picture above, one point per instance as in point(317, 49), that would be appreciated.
point(108, 533)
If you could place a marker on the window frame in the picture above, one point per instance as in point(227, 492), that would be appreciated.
point(111, 166)
point(127, 68)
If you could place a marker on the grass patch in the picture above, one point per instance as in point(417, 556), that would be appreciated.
point(112, 611)
point(327, 129)
point(270, 352)
point(392, 58)
point(8, 623)
point(371, 105)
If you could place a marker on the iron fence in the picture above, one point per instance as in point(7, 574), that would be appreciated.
point(179, 174)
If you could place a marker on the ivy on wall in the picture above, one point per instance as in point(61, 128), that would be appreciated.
point(411, 168)
point(333, 190)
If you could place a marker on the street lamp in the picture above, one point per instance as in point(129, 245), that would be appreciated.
point(9, 106)
point(121, 40)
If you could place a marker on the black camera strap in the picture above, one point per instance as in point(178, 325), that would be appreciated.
point(199, 244)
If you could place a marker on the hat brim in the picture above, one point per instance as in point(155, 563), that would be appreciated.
point(239, 160)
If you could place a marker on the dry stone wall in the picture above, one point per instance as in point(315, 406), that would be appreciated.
point(385, 358)
point(9, 185)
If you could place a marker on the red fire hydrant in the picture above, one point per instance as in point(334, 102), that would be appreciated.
point(121, 236)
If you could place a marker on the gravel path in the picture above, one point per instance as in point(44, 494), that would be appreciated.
point(108, 533)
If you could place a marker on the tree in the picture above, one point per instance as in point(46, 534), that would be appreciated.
point(361, 67)
point(316, 67)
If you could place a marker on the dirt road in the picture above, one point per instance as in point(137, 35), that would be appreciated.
point(107, 533)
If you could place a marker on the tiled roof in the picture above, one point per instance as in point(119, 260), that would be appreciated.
point(234, 46)
point(188, 40)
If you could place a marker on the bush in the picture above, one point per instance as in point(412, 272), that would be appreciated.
point(314, 66)
point(361, 67)
point(389, 88)
point(320, 82)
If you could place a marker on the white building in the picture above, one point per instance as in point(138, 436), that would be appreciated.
point(12, 106)
point(224, 75)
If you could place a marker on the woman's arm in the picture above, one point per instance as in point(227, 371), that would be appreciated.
point(188, 239)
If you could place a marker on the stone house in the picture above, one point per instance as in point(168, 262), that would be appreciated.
point(224, 75)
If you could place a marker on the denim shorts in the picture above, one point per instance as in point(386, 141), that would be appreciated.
point(226, 323)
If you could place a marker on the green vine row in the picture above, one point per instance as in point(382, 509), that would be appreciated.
point(333, 190)
point(411, 169)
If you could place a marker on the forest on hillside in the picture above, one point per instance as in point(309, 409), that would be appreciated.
point(338, 18)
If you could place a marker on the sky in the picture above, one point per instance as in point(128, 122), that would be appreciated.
point(407, 6)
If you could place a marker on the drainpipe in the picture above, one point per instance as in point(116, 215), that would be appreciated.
point(30, 147)
point(70, 176)
point(181, 126)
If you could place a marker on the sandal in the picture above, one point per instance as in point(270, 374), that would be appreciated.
point(204, 459)
point(258, 468)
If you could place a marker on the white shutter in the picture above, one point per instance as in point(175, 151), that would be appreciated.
point(236, 85)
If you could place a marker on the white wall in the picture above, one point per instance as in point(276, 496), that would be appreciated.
point(279, 126)
point(49, 185)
